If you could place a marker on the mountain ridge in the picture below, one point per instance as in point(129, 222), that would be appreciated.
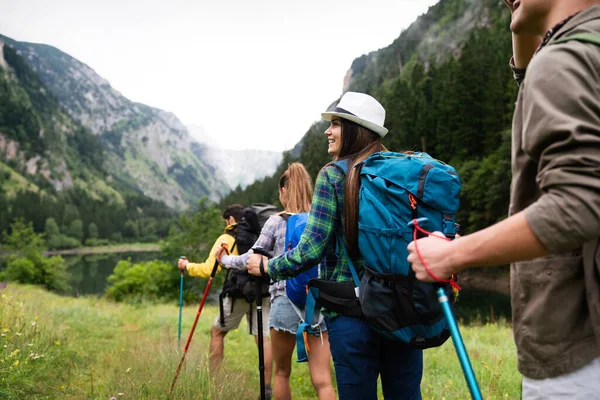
point(147, 147)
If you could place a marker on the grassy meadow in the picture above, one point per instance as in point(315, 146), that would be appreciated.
point(54, 347)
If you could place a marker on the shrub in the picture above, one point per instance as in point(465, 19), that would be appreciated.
point(27, 263)
point(61, 241)
point(54, 274)
point(50, 273)
point(152, 281)
point(20, 270)
point(97, 242)
point(116, 237)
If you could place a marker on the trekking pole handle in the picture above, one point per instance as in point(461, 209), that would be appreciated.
point(262, 252)
point(182, 258)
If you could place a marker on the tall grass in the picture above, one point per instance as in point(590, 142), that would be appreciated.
point(87, 348)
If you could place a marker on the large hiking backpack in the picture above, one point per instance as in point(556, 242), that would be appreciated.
point(238, 284)
point(295, 288)
point(249, 227)
point(395, 189)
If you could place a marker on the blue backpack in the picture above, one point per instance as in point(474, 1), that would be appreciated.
point(396, 189)
point(295, 288)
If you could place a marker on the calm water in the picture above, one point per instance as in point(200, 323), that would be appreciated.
point(89, 272)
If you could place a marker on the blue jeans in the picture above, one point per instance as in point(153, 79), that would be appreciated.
point(360, 355)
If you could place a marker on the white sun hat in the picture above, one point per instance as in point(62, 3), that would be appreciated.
point(361, 109)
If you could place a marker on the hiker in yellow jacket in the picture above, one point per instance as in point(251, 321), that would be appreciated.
point(233, 311)
point(203, 269)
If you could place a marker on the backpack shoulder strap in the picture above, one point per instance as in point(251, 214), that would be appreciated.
point(593, 38)
point(234, 236)
point(341, 246)
point(285, 215)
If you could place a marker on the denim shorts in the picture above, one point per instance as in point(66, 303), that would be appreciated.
point(284, 318)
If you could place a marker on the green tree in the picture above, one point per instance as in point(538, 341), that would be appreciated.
point(70, 214)
point(75, 229)
point(5, 215)
point(131, 230)
point(51, 227)
point(195, 233)
point(92, 231)
point(23, 238)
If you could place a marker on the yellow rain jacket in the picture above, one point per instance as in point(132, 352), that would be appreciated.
point(203, 270)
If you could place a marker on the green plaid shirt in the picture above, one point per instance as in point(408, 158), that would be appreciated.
point(318, 242)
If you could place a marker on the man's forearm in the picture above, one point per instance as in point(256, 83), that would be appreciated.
point(510, 240)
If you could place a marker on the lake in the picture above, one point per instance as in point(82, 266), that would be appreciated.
point(90, 272)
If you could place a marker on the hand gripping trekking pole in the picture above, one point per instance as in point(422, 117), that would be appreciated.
point(459, 345)
point(180, 305)
point(187, 345)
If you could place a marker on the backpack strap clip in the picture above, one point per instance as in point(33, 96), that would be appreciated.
point(306, 327)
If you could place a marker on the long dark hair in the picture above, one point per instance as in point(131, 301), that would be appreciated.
point(358, 143)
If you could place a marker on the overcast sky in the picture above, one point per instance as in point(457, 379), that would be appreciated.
point(254, 74)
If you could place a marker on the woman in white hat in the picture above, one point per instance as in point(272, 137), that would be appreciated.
point(359, 353)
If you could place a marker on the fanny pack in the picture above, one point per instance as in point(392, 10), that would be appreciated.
point(339, 297)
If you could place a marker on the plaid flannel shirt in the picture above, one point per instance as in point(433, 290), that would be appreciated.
point(318, 242)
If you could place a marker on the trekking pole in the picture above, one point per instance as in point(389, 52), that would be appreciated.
point(459, 345)
point(180, 305)
point(261, 349)
point(187, 345)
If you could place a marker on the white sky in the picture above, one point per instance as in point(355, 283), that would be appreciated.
point(255, 74)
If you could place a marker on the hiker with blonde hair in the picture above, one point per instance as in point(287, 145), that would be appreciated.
point(295, 193)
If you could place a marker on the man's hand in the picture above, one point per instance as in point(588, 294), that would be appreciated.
point(254, 264)
point(182, 264)
point(437, 254)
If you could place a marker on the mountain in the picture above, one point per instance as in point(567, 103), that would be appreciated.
point(37, 138)
point(431, 39)
point(447, 90)
point(57, 175)
point(146, 149)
